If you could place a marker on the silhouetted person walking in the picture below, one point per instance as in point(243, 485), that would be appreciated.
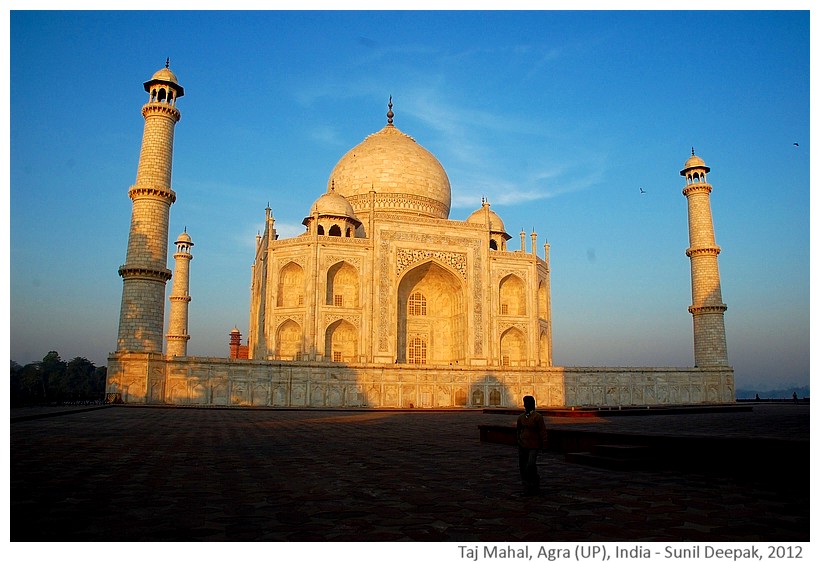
point(531, 433)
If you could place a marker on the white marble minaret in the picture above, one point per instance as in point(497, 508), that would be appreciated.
point(707, 303)
point(178, 315)
point(144, 273)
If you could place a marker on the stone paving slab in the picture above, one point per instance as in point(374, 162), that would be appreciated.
point(127, 473)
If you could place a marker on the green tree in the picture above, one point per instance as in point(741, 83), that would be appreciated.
point(32, 387)
point(54, 380)
point(79, 379)
point(53, 371)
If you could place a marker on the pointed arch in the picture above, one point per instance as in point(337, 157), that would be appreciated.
point(289, 341)
point(544, 349)
point(513, 348)
point(199, 393)
point(291, 285)
point(431, 315)
point(512, 296)
point(342, 342)
point(342, 285)
point(543, 301)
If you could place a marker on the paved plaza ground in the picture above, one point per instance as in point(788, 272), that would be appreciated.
point(127, 473)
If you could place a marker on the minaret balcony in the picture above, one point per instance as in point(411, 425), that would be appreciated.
point(697, 188)
point(158, 107)
point(151, 274)
point(708, 309)
point(136, 191)
point(706, 251)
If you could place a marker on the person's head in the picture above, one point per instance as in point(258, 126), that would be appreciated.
point(529, 403)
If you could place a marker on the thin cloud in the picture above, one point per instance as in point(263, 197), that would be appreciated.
point(497, 194)
point(549, 182)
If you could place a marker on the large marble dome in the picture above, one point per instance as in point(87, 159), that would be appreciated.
point(404, 176)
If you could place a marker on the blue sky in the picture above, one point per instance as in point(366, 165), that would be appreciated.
point(557, 118)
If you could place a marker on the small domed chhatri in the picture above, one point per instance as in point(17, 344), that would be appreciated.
point(184, 238)
point(333, 204)
point(332, 214)
point(478, 217)
point(490, 219)
point(695, 171)
point(405, 176)
point(165, 76)
point(694, 162)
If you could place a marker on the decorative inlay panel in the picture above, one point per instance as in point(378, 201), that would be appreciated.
point(352, 318)
point(502, 273)
point(330, 260)
point(298, 260)
point(409, 201)
point(406, 257)
point(504, 326)
point(298, 318)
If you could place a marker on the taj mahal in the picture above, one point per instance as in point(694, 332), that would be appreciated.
point(383, 301)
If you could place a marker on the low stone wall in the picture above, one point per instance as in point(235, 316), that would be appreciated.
point(155, 379)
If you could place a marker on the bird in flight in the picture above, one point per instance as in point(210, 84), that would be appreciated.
point(795, 144)
point(642, 191)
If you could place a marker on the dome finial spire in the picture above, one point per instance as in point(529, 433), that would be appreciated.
point(390, 111)
point(693, 151)
point(167, 62)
